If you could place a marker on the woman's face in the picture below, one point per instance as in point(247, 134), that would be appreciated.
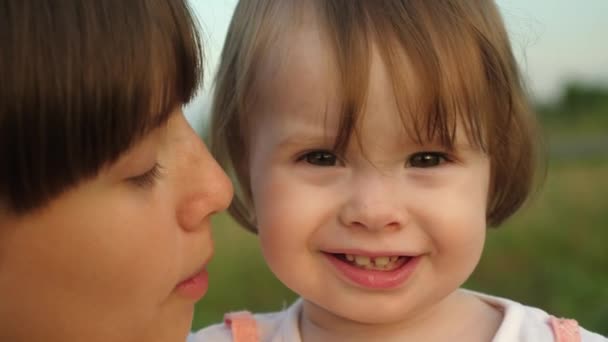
point(119, 257)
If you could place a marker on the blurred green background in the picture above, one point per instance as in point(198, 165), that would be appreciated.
point(553, 254)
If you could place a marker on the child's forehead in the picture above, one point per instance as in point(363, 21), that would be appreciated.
point(300, 63)
point(302, 73)
point(303, 97)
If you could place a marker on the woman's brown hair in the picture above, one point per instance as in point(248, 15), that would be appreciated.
point(81, 81)
point(461, 56)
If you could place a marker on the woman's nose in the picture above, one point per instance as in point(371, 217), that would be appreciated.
point(374, 203)
point(206, 187)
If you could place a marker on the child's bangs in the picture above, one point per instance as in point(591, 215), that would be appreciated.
point(88, 80)
point(446, 79)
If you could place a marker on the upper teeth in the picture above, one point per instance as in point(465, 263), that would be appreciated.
point(381, 261)
point(363, 260)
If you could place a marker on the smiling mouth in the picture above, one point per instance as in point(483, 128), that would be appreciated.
point(379, 263)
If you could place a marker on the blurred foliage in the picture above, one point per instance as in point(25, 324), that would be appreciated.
point(582, 109)
point(553, 254)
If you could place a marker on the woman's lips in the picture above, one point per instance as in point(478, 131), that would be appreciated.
point(195, 286)
point(387, 272)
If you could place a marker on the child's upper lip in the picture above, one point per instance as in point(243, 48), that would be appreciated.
point(369, 253)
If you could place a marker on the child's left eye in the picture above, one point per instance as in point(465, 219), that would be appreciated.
point(427, 159)
point(148, 178)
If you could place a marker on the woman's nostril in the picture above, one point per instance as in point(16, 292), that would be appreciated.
point(192, 213)
point(208, 196)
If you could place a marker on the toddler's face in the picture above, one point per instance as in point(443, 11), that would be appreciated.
point(107, 260)
point(389, 224)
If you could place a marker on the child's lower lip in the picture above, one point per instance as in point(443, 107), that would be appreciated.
point(194, 287)
point(373, 279)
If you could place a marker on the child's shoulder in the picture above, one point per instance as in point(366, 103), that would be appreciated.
point(275, 326)
point(525, 323)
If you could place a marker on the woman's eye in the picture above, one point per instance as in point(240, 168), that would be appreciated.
point(427, 159)
point(320, 158)
point(148, 178)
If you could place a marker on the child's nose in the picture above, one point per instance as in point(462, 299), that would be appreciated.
point(374, 204)
point(207, 189)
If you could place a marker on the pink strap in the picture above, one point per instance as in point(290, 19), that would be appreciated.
point(243, 326)
point(565, 330)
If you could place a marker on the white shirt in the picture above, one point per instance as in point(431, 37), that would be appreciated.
point(520, 324)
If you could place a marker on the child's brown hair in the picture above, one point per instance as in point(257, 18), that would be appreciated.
point(459, 51)
point(81, 82)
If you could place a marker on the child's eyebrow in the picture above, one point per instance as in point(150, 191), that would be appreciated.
point(305, 139)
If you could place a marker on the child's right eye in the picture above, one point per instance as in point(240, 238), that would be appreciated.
point(319, 158)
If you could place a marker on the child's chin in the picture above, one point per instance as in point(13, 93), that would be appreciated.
point(375, 313)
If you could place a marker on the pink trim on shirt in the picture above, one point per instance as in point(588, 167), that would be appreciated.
point(565, 330)
point(243, 326)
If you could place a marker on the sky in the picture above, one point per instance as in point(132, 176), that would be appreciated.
point(555, 41)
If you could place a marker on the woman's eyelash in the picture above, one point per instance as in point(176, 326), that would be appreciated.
point(148, 178)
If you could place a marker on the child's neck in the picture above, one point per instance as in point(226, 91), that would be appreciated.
point(458, 317)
